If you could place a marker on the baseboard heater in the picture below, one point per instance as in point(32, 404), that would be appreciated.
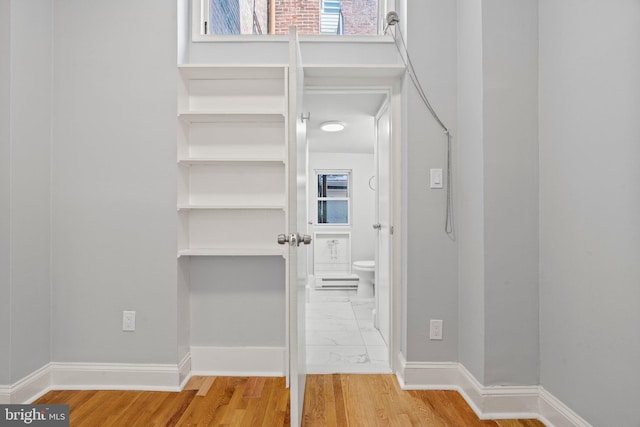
point(337, 282)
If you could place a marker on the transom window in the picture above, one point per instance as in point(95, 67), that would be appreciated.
point(333, 197)
point(273, 17)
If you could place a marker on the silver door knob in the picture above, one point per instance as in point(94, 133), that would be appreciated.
point(282, 239)
point(294, 239)
point(377, 226)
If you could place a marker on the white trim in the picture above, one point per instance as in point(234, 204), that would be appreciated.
point(495, 402)
point(555, 413)
point(499, 402)
point(428, 376)
point(28, 388)
point(114, 376)
point(238, 361)
point(184, 370)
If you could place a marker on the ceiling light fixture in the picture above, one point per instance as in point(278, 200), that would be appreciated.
point(332, 126)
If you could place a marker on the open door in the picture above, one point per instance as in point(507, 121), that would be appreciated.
point(297, 226)
point(383, 223)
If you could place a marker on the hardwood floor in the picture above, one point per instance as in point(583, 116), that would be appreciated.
point(330, 400)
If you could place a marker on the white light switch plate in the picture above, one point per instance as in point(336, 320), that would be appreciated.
point(436, 178)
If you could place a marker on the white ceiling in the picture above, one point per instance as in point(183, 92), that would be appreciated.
point(356, 110)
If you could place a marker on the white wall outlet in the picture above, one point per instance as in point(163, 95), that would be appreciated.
point(128, 321)
point(435, 329)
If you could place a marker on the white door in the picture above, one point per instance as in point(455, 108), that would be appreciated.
point(297, 225)
point(383, 223)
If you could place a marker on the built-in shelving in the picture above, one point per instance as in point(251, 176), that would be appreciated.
point(231, 160)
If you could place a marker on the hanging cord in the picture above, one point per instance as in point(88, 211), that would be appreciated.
point(392, 20)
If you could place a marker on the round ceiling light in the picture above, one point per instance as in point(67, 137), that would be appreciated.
point(332, 126)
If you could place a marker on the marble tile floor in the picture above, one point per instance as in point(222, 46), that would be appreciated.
point(340, 334)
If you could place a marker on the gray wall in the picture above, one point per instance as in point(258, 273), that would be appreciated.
point(114, 181)
point(5, 191)
point(510, 154)
point(469, 194)
point(590, 207)
point(431, 256)
point(25, 123)
point(31, 55)
point(238, 301)
point(498, 200)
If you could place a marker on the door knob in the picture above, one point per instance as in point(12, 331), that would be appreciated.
point(377, 226)
point(294, 239)
point(282, 239)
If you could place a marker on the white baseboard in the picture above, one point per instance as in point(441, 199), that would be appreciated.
point(499, 402)
point(28, 388)
point(184, 370)
point(115, 376)
point(555, 413)
point(94, 376)
point(238, 361)
point(428, 376)
point(245, 361)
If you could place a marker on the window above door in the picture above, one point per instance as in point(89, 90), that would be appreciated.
point(229, 20)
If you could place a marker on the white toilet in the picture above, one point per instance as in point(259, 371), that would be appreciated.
point(366, 272)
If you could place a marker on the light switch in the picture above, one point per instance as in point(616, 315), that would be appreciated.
point(436, 178)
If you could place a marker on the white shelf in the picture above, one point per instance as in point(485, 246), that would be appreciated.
point(228, 72)
point(231, 230)
point(226, 114)
point(234, 160)
point(232, 252)
point(362, 71)
point(228, 183)
point(242, 137)
point(230, 207)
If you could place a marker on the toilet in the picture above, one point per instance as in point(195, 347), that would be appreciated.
point(365, 270)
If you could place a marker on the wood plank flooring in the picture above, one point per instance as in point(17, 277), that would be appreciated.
point(331, 400)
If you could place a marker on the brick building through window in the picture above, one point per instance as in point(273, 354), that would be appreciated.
point(343, 17)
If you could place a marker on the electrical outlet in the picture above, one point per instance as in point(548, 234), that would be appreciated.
point(128, 321)
point(435, 329)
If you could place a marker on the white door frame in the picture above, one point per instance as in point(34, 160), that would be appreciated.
point(392, 86)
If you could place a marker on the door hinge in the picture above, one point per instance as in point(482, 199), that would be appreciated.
point(391, 230)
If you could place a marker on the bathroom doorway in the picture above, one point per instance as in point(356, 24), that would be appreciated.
point(348, 326)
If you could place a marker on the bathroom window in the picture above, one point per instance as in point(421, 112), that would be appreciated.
point(333, 197)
